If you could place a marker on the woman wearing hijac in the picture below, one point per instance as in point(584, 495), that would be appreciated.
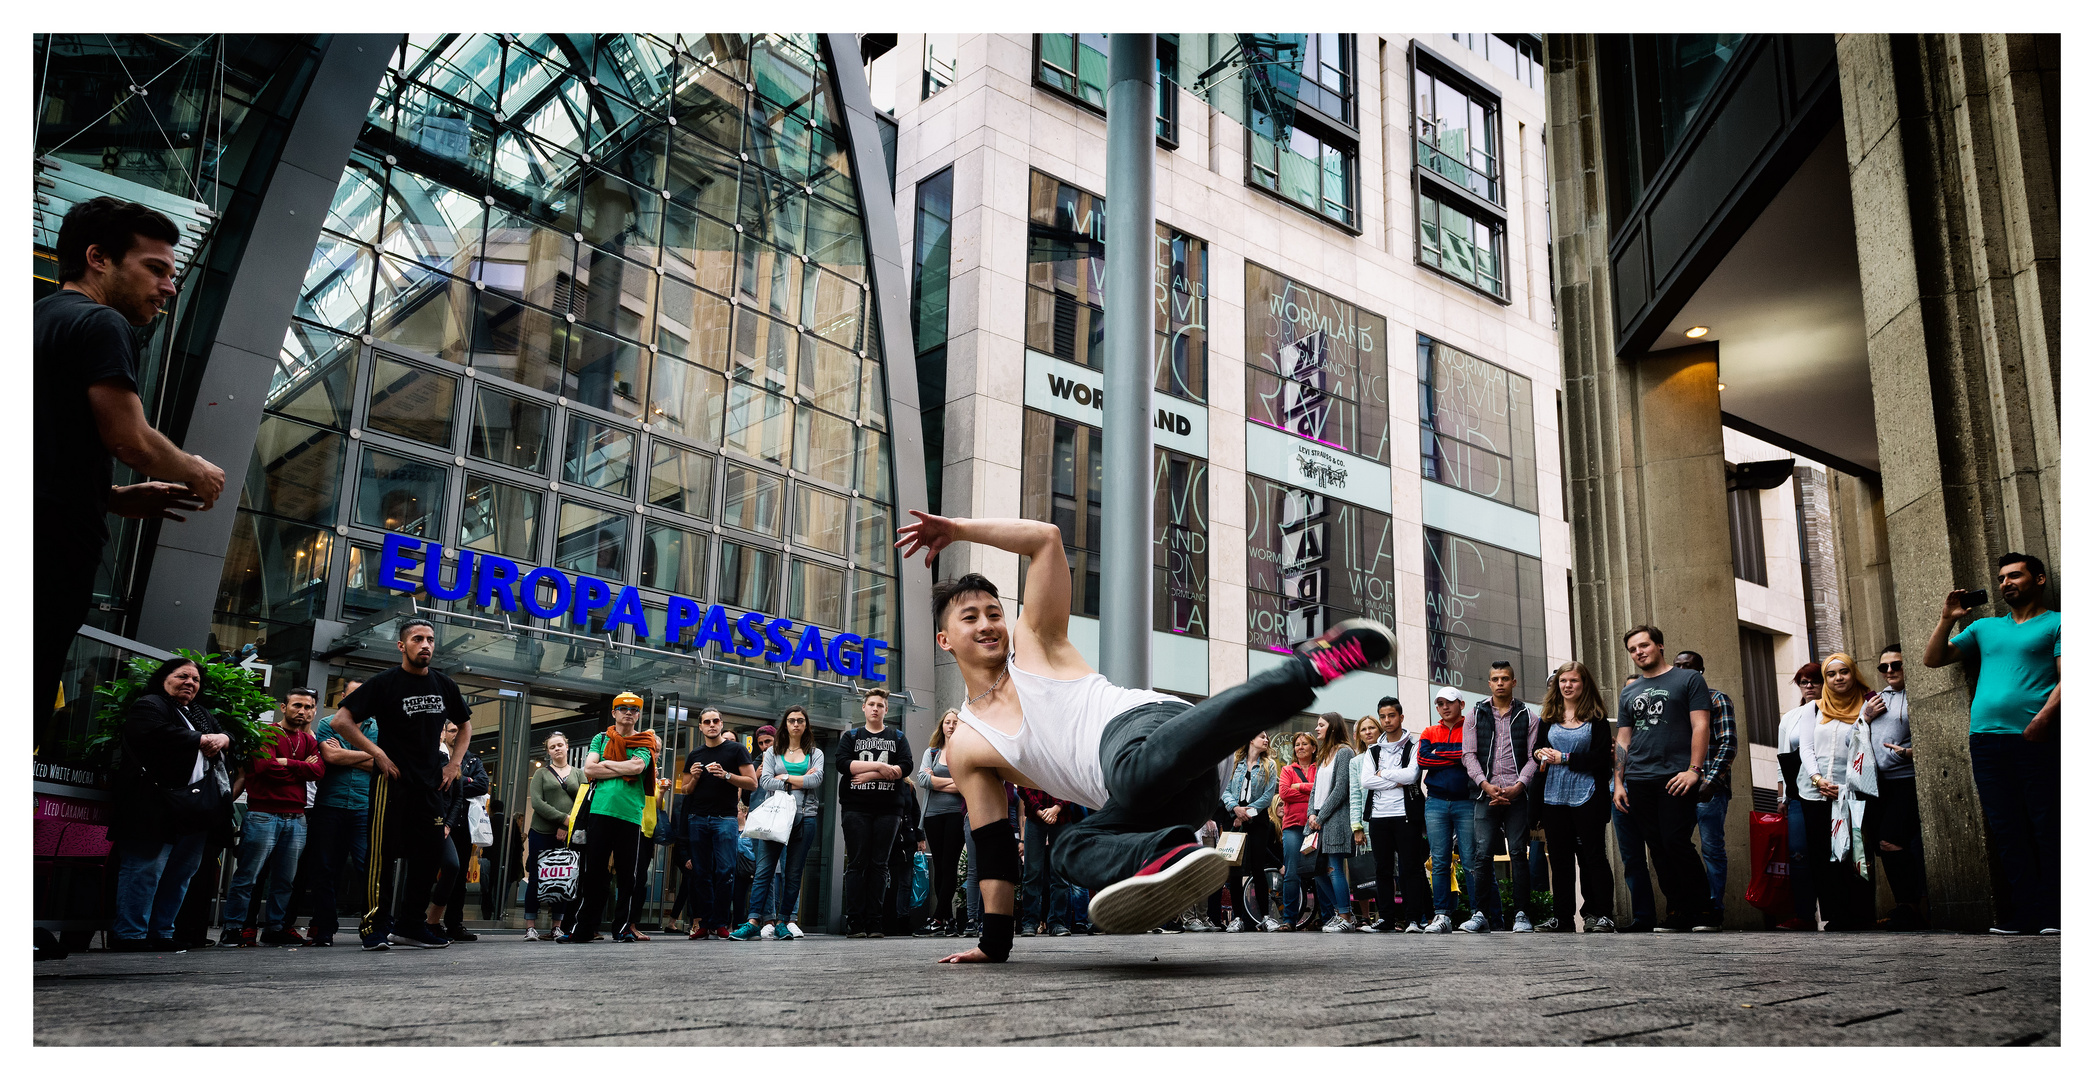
point(1825, 743)
point(1297, 784)
point(1248, 800)
point(1577, 762)
point(1330, 820)
point(791, 764)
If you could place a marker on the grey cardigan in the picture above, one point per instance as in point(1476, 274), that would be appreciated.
point(1336, 811)
point(768, 780)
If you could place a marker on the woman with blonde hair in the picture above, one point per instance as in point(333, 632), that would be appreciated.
point(1330, 821)
point(944, 826)
point(1577, 761)
point(1825, 742)
point(1253, 789)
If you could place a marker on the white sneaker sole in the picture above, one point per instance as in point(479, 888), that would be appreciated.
point(1140, 904)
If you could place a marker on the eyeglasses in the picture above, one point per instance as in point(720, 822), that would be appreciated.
point(1895, 665)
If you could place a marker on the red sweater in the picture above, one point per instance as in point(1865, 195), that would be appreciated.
point(280, 789)
point(1294, 805)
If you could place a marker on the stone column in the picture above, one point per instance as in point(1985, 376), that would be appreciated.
point(1952, 164)
point(1643, 459)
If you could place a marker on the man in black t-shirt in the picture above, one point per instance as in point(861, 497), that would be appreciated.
point(1661, 744)
point(719, 771)
point(116, 265)
point(874, 757)
point(409, 775)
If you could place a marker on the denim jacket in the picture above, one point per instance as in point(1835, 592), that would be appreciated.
point(1264, 786)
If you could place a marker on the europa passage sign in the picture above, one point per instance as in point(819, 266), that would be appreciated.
point(495, 583)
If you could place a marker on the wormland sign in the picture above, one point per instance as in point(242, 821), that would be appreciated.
point(493, 582)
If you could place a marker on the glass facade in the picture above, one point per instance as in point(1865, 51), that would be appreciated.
point(1482, 603)
point(1316, 365)
point(1464, 246)
point(1476, 425)
point(598, 303)
point(1314, 562)
point(1457, 132)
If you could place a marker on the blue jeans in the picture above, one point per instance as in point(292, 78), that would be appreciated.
point(2017, 784)
point(710, 877)
point(775, 892)
point(151, 880)
point(335, 837)
point(1044, 888)
point(1450, 822)
point(1635, 867)
point(1802, 885)
point(275, 841)
point(1709, 824)
point(1333, 891)
point(1290, 879)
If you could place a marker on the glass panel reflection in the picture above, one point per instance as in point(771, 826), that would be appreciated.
point(818, 519)
point(509, 430)
point(673, 560)
point(815, 594)
point(681, 480)
point(517, 342)
point(751, 500)
point(759, 424)
point(314, 376)
point(599, 455)
point(295, 471)
point(274, 569)
point(590, 541)
point(872, 534)
point(872, 605)
point(822, 447)
point(688, 400)
point(400, 494)
point(748, 576)
point(420, 309)
point(501, 518)
point(410, 402)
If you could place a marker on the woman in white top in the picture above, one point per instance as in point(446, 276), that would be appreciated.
point(1825, 742)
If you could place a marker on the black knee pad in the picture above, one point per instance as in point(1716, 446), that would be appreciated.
point(997, 852)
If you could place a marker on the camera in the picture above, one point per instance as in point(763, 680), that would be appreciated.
point(1973, 597)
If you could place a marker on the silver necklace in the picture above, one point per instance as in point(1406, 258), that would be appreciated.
point(993, 687)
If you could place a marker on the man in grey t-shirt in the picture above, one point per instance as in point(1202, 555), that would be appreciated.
point(1662, 742)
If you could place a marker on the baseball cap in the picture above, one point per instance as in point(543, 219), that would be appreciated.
point(1447, 693)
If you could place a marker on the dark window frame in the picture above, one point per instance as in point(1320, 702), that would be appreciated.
point(1166, 84)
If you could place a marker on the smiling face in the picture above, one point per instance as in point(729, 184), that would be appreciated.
point(974, 631)
point(1304, 748)
point(1645, 653)
point(2016, 583)
point(1450, 711)
point(1839, 678)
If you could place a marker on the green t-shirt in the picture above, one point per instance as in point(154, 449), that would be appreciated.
point(620, 797)
point(2017, 669)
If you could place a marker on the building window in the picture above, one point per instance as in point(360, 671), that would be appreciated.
point(1065, 275)
point(1314, 562)
point(1748, 537)
point(1326, 75)
point(1074, 65)
point(1457, 132)
point(1315, 365)
point(1463, 246)
point(1476, 426)
point(1762, 705)
point(1061, 482)
point(1652, 86)
point(941, 61)
point(1482, 603)
point(927, 314)
point(1311, 170)
point(1518, 56)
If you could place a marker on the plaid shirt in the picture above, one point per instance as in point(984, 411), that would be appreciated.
point(1723, 742)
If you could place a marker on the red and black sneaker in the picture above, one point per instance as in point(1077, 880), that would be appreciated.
point(1159, 891)
point(1346, 648)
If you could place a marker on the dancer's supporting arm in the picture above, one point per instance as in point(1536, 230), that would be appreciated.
point(995, 845)
point(1041, 631)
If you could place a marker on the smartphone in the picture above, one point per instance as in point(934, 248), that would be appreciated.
point(1973, 597)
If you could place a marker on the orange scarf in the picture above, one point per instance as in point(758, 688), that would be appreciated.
point(616, 746)
point(1845, 709)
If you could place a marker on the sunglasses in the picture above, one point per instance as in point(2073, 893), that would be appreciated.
point(1895, 665)
point(627, 708)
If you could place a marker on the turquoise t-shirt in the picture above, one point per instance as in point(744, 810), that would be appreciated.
point(2017, 669)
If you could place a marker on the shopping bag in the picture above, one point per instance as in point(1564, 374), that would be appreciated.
point(920, 881)
point(773, 820)
point(1861, 765)
point(1770, 889)
point(477, 823)
point(559, 876)
point(1231, 846)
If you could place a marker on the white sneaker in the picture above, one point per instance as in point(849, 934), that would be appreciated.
point(1148, 900)
point(1339, 924)
point(1477, 924)
point(791, 932)
point(1440, 924)
point(531, 934)
point(1414, 928)
point(770, 932)
point(1521, 924)
point(1601, 925)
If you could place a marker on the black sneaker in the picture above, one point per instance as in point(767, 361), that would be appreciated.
point(377, 941)
point(281, 937)
point(1346, 648)
point(460, 933)
point(422, 936)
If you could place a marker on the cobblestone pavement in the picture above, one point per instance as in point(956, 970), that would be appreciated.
point(1760, 989)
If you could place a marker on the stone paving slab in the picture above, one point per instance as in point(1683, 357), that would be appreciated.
point(1730, 989)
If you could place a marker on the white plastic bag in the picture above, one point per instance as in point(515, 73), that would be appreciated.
point(773, 820)
point(477, 823)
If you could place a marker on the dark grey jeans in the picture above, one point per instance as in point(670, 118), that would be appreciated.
point(1160, 772)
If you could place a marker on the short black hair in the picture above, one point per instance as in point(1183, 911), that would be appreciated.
point(1501, 665)
point(304, 692)
point(411, 624)
point(1389, 702)
point(943, 593)
point(1699, 664)
point(111, 224)
point(1657, 636)
point(2034, 564)
point(1892, 647)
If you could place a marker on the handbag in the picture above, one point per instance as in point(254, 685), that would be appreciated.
point(920, 880)
point(1310, 843)
point(773, 820)
point(559, 875)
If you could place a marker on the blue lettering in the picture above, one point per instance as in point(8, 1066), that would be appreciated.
point(461, 575)
point(562, 591)
point(495, 581)
point(682, 615)
point(780, 648)
point(627, 612)
point(394, 558)
point(844, 657)
point(870, 670)
point(810, 648)
point(751, 626)
point(715, 631)
point(589, 594)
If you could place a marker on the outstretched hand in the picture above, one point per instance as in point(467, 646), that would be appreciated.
point(929, 534)
point(971, 956)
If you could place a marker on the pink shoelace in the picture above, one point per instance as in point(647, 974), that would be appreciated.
point(1338, 659)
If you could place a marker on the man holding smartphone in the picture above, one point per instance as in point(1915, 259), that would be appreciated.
point(718, 773)
point(2014, 757)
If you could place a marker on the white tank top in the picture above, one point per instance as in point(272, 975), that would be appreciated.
point(1062, 729)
